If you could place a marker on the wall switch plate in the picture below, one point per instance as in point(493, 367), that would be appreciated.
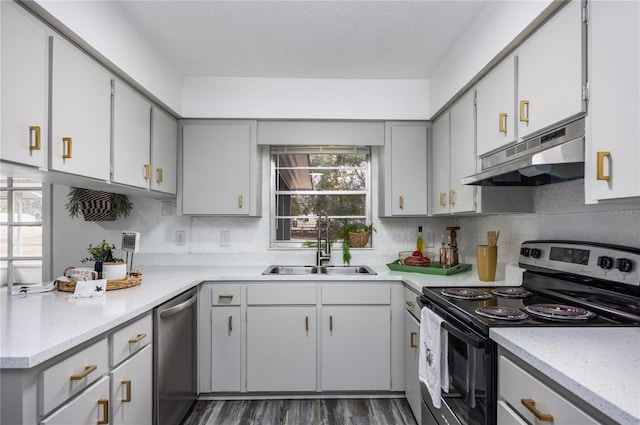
point(180, 237)
point(428, 240)
point(167, 208)
point(225, 238)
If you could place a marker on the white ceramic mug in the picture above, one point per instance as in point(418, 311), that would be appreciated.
point(114, 271)
point(81, 273)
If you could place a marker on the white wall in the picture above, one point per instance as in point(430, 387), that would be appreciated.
point(560, 214)
point(300, 98)
point(103, 26)
point(498, 24)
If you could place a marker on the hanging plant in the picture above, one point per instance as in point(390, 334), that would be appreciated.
point(97, 205)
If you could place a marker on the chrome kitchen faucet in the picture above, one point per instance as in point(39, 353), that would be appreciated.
point(323, 255)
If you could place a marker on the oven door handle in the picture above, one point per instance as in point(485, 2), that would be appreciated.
point(467, 337)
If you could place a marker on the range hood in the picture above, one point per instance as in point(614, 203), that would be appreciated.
point(551, 156)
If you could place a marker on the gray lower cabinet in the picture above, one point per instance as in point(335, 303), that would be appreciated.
point(300, 337)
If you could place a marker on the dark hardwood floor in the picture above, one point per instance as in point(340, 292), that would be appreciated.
point(394, 411)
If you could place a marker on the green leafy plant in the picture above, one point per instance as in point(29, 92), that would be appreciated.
point(77, 199)
point(343, 233)
point(101, 252)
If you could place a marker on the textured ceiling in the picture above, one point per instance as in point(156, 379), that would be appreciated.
point(303, 39)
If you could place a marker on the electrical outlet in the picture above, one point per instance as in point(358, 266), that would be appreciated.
point(180, 237)
point(225, 238)
point(167, 208)
point(428, 240)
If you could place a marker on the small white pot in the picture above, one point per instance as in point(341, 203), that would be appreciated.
point(114, 271)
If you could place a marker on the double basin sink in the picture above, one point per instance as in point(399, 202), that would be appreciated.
point(310, 270)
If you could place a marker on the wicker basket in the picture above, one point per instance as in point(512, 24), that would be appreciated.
point(96, 205)
point(134, 278)
point(359, 239)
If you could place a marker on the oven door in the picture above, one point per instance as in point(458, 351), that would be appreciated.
point(471, 365)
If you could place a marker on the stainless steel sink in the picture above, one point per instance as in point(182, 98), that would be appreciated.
point(347, 270)
point(292, 270)
point(307, 270)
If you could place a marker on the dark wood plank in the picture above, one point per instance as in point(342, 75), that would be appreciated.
point(301, 411)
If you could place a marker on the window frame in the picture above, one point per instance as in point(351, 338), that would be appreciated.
point(10, 188)
point(273, 190)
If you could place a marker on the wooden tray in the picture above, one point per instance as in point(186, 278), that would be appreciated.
point(434, 268)
point(134, 278)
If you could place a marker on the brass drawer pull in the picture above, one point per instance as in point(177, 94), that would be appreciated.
point(410, 304)
point(147, 171)
point(127, 386)
point(600, 165)
point(225, 297)
point(306, 323)
point(34, 138)
point(412, 342)
point(524, 111)
point(159, 175)
point(530, 404)
point(330, 323)
point(138, 338)
point(240, 201)
point(105, 411)
point(67, 148)
point(87, 370)
point(230, 325)
point(442, 200)
point(452, 194)
point(401, 202)
point(502, 122)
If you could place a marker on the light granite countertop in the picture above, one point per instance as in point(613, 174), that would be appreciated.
point(37, 327)
point(599, 365)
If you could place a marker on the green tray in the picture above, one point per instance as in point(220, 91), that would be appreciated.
point(434, 268)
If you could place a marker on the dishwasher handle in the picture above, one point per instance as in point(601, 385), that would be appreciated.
point(178, 308)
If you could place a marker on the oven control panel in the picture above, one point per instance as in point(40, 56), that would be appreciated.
point(599, 261)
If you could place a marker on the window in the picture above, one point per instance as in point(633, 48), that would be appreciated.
point(308, 182)
point(20, 231)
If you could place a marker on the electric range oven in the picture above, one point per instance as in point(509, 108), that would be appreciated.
point(565, 283)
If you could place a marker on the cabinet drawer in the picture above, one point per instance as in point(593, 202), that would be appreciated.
point(297, 293)
point(354, 293)
point(73, 374)
point(130, 339)
point(91, 407)
point(516, 385)
point(225, 294)
point(411, 304)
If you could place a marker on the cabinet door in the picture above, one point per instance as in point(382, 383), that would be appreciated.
point(440, 162)
point(551, 72)
point(225, 349)
point(411, 355)
point(25, 66)
point(81, 113)
point(131, 137)
point(356, 347)
point(217, 168)
point(90, 407)
point(496, 108)
point(407, 163)
point(463, 156)
point(614, 105)
point(164, 152)
point(132, 389)
point(281, 348)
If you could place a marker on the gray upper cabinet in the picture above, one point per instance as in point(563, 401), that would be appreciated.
point(131, 137)
point(404, 169)
point(25, 73)
point(551, 72)
point(164, 152)
point(220, 168)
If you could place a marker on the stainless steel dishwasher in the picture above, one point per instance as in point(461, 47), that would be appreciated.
point(174, 358)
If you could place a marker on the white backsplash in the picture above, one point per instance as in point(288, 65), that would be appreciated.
point(560, 214)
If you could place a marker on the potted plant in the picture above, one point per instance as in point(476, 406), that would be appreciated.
point(101, 253)
point(353, 235)
point(97, 205)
